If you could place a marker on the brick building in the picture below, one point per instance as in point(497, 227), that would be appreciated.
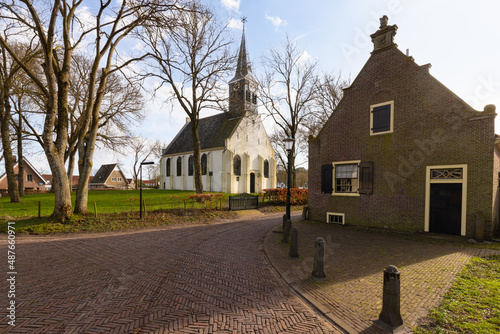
point(33, 180)
point(401, 151)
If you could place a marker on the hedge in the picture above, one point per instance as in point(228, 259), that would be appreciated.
point(278, 195)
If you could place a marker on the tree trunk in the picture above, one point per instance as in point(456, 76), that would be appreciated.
point(57, 106)
point(7, 149)
point(82, 192)
point(83, 183)
point(20, 181)
point(198, 183)
point(71, 167)
point(62, 206)
point(88, 147)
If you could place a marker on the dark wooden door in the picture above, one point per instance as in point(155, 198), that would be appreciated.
point(252, 183)
point(445, 208)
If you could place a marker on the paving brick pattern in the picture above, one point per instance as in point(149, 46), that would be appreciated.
point(354, 264)
point(202, 279)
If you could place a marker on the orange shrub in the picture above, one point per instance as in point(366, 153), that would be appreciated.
point(278, 195)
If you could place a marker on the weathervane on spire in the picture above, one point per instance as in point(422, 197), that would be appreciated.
point(244, 20)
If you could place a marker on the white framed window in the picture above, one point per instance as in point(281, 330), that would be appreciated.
point(382, 118)
point(29, 177)
point(113, 179)
point(119, 179)
point(346, 178)
point(335, 218)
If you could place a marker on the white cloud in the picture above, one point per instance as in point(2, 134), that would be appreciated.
point(235, 24)
point(304, 58)
point(276, 21)
point(231, 4)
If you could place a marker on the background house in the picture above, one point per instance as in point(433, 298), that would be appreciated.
point(402, 151)
point(131, 183)
point(109, 176)
point(74, 181)
point(236, 154)
point(33, 180)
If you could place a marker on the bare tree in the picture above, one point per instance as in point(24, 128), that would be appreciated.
point(287, 90)
point(58, 30)
point(328, 93)
point(191, 57)
point(11, 74)
point(143, 150)
point(153, 173)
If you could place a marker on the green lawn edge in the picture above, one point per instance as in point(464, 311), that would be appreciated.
point(472, 305)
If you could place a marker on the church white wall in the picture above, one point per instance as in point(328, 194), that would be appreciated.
point(185, 181)
point(250, 142)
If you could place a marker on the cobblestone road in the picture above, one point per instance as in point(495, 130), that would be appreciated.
point(200, 279)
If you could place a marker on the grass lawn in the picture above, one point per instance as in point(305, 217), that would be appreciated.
point(473, 303)
point(117, 209)
point(115, 201)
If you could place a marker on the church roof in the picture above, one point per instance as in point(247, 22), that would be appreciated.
point(213, 132)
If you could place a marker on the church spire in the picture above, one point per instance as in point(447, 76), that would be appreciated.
point(243, 65)
point(243, 86)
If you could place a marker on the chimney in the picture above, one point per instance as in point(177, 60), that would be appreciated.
point(384, 37)
point(490, 108)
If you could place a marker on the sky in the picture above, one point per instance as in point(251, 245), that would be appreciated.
point(460, 38)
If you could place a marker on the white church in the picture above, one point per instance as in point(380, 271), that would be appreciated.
point(236, 154)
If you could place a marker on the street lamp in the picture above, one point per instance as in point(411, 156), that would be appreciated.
point(288, 147)
point(140, 185)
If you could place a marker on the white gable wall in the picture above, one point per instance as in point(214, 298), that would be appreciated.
point(251, 143)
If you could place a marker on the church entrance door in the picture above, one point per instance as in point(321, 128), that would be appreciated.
point(252, 183)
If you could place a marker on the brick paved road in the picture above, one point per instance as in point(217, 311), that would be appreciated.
point(201, 279)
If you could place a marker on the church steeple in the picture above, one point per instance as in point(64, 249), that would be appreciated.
point(243, 86)
point(242, 66)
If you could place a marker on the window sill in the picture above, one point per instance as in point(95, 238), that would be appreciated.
point(346, 194)
point(381, 133)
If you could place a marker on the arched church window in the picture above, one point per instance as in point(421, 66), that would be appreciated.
point(204, 164)
point(237, 165)
point(254, 98)
point(249, 95)
point(179, 166)
point(168, 167)
point(266, 169)
point(190, 165)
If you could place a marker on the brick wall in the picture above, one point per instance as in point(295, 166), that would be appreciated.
point(432, 126)
point(496, 198)
point(34, 184)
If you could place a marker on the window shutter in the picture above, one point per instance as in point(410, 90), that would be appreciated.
point(381, 118)
point(366, 178)
point(326, 179)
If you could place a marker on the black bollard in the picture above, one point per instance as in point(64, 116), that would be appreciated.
point(305, 212)
point(286, 231)
point(318, 272)
point(390, 317)
point(294, 243)
point(285, 218)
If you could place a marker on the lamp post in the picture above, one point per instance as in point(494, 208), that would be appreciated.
point(140, 185)
point(288, 147)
